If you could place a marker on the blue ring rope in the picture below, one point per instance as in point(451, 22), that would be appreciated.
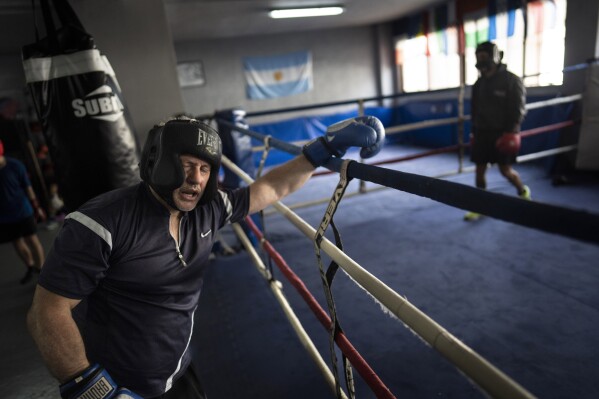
point(578, 224)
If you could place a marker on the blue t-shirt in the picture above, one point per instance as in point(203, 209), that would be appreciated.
point(14, 202)
point(140, 290)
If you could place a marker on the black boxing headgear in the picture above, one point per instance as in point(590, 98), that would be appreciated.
point(490, 48)
point(161, 166)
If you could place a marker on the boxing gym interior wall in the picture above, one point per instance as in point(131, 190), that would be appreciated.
point(581, 43)
point(136, 38)
point(370, 69)
point(339, 56)
point(11, 76)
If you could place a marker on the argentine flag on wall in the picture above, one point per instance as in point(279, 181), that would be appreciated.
point(278, 76)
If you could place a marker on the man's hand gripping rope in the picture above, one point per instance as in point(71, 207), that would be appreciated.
point(366, 132)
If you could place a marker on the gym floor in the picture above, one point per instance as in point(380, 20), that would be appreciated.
point(525, 300)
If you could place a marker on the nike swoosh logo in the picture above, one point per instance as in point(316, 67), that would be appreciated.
point(206, 233)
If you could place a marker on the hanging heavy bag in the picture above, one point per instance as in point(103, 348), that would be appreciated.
point(80, 106)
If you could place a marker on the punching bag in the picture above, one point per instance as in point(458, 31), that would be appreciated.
point(80, 106)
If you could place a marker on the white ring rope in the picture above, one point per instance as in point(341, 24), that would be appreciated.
point(546, 153)
point(423, 124)
point(277, 290)
point(554, 101)
point(447, 121)
point(489, 378)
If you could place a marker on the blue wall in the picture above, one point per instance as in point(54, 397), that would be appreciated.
point(305, 128)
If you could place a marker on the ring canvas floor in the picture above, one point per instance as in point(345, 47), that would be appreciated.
point(525, 300)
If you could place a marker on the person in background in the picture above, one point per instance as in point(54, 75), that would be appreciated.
point(19, 209)
point(136, 256)
point(498, 108)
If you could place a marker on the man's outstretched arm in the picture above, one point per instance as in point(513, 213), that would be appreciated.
point(279, 182)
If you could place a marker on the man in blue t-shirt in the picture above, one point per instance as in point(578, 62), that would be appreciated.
point(18, 211)
point(114, 308)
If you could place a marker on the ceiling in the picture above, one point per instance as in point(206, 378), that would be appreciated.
point(193, 19)
point(208, 19)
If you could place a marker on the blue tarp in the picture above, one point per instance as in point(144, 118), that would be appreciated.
point(309, 127)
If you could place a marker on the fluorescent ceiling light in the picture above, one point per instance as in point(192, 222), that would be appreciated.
point(305, 12)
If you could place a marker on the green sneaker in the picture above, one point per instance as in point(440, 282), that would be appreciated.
point(471, 216)
point(526, 193)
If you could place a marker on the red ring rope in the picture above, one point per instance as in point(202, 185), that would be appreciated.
point(455, 147)
point(369, 376)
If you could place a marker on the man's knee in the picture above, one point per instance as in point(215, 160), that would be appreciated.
point(32, 239)
point(19, 244)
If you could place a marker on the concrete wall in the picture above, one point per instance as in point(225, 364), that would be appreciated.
point(582, 40)
point(343, 68)
point(136, 38)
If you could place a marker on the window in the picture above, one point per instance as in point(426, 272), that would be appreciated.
point(505, 29)
point(413, 61)
point(444, 61)
point(432, 61)
point(545, 43)
point(429, 62)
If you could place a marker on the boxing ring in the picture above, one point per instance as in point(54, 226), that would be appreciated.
point(567, 222)
point(458, 149)
point(572, 223)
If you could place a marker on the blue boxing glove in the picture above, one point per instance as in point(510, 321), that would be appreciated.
point(364, 131)
point(95, 382)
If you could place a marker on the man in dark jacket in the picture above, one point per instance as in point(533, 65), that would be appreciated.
point(498, 107)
